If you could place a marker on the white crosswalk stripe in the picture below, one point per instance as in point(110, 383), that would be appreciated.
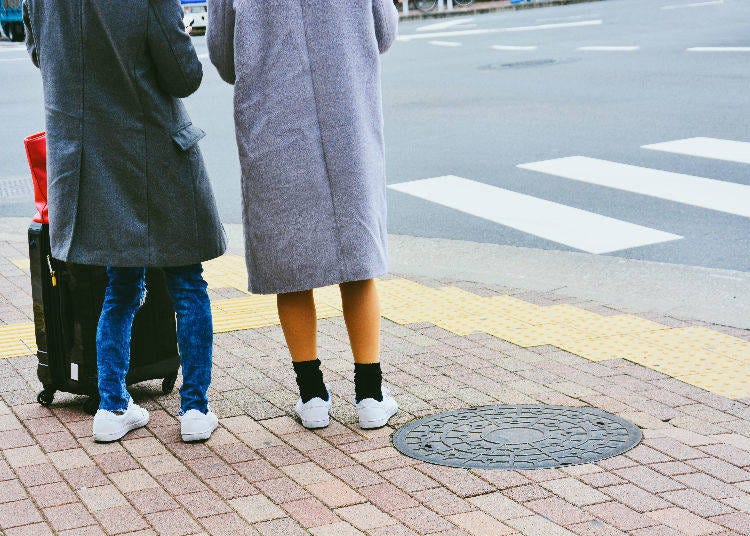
point(566, 225)
point(728, 150)
point(712, 194)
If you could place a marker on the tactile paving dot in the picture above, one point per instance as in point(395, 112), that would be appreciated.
point(517, 437)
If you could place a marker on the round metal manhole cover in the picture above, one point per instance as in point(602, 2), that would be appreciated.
point(517, 437)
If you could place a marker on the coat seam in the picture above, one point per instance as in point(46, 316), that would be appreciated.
point(342, 264)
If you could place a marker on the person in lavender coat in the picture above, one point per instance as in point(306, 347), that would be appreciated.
point(309, 127)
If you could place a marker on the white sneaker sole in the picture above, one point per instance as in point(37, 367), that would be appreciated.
point(371, 424)
point(314, 425)
point(199, 436)
point(119, 434)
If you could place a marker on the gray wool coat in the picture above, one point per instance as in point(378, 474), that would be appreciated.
point(309, 128)
point(127, 183)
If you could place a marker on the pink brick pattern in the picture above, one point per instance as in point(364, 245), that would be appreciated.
point(263, 474)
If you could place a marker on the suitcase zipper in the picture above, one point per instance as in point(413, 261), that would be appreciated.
point(51, 271)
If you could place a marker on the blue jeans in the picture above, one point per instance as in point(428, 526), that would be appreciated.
point(125, 294)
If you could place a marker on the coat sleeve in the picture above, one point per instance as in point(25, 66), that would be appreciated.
point(179, 71)
point(386, 23)
point(30, 41)
point(220, 38)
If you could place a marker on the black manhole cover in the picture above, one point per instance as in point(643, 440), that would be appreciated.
point(517, 437)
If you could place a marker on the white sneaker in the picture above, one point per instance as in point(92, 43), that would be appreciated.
point(314, 412)
point(374, 414)
point(197, 426)
point(109, 426)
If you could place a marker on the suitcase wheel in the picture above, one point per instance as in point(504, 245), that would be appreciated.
point(167, 386)
point(91, 405)
point(46, 397)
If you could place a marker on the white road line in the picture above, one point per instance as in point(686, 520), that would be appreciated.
point(573, 227)
point(203, 56)
point(712, 194)
point(719, 49)
point(728, 150)
point(14, 59)
point(483, 31)
point(694, 4)
point(445, 25)
point(513, 47)
point(445, 43)
point(609, 48)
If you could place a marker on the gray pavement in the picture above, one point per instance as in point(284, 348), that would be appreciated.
point(454, 105)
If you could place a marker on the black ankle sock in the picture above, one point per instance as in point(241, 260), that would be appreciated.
point(368, 380)
point(310, 380)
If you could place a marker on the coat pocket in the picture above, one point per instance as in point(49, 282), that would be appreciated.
point(188, 136)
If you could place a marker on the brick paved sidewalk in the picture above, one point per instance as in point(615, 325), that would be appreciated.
point(262, 473)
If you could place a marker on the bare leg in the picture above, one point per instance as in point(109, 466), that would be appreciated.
point(299, 322)
point(362, 317)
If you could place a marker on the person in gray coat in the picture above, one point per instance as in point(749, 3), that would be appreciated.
point(127, 185)
point(309, 127)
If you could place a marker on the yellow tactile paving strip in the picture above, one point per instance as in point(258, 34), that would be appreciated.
point(699, 356)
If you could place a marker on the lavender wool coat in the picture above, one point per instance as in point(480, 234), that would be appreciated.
point(309, 127)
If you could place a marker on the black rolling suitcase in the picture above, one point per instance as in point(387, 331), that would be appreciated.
point(68, 299)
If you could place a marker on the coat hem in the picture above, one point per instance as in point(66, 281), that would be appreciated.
point(326, 281)
point(147, 261)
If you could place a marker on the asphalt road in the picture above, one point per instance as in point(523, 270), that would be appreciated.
point(477, 97)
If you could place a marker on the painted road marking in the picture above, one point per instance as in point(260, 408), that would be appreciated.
point(627, 48)
point(482, 31)
point(731, 151)
point(712, 194)
point(513, 47)
point(566, 225)
point(719, 49)
point(445, 25)
point(5, 60)
point(694, 4)
point(445, 43)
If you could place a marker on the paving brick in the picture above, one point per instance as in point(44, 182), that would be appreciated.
point(85, 477)
point(596, 527)
point(281, 455)
point(257, 508)
point(203, 504)
point(53, 494)
point(729, 453)
point(657, 530)
point(11, 490)
point(281, 490)
point(180, 483)
point(231, 487)
point(620, 516)
point(307, 473)
point(738, 521)
point(12, 439)
point(574, 491)
point(537, 525)
point(329, 458)
point(148, 501)
point(114, 462)
point(44, 425)
point(528, 492)
point(56, 441)
point(422, 520)
point(644, 454)
point(697, 502)
point(636, 498)
point(672, 468)
point(479, 523)
point(235, 452)
point(68, 516)
point(279, 527)
point(365, 516)
point(257, 470)
point(133, 480)
point(101, 498)
point(443, 501)
point(459, 481)
point(23, 456)
point(162, 464)
point(310, 512)
point(230, 524)
point(120, 520)
point(409, 479)
point(649, 479)
point(18, 513)
point(35, 475)
point(684, 521)
point(173, 523)
point(70, 459)
point(559, 511)
point(335, 493)
point(35, 529)
point(709, 485)
point(720, 469)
